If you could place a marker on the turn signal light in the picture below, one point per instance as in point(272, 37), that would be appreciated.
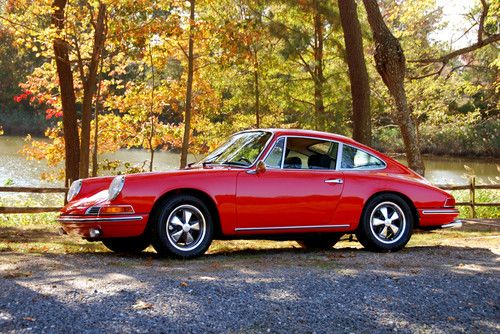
point(116, 209)
point(450, 202)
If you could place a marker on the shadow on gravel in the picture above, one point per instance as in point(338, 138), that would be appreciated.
point(90, 293)
point(420, 289)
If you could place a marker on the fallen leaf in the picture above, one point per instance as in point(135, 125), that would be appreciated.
point(450, 318)
point(28, 318)
point(184, 284)
point(142, 305)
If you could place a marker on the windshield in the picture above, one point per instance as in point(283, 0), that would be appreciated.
point(242, 149)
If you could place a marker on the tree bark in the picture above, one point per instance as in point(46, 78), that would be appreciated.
point(89, 89)
point(68, 99)
point(391, 65)
point(189, 89)
point(319, 78)
point(358, 75)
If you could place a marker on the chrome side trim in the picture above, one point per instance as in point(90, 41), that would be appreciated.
point(439, 211)
point(101, 219)
point(455, 224)
point(287, 227)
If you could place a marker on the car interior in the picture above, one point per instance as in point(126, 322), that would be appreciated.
point(309, 153)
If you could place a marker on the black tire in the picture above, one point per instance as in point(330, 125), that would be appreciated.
point(132, 245)
point(170, 223)
point(385, 231)
point(320, 241)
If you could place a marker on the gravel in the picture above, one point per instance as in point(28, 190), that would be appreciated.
point(439, 289)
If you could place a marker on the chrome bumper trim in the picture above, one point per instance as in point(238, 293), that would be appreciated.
point(287, 227)
point(439, 211)
point(455, 224)
point(68, 219)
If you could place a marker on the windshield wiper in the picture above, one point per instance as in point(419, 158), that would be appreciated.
point(235, 163)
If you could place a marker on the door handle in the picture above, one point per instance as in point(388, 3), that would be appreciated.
point(337, 181)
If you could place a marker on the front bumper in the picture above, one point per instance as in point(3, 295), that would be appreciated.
point(109, 226)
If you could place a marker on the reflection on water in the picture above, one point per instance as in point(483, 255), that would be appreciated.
point(14, 167)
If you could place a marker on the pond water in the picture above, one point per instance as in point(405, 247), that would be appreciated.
point(13, 166)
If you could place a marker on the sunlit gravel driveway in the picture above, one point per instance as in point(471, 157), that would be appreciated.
point(440, 289)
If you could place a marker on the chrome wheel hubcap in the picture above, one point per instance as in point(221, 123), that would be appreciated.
point(387, 222)
point(186, 227)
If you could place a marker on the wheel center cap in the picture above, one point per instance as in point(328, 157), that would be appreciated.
point(186, 227)
point(387, 223)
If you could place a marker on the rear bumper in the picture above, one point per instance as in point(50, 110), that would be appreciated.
point(436, 217)
point(110, 226)
point(455, 224)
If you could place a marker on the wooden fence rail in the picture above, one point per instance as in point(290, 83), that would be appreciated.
point(472, 187)
point(17, 209)
point(472, 203)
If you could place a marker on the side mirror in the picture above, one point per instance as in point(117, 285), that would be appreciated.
point(260, 167)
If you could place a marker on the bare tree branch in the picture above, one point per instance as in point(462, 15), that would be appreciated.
point(446, 58)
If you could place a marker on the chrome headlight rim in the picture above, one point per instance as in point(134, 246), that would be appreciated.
point(116, 186)
point(74, 190)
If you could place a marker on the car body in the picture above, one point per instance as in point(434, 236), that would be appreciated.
point(268, 183)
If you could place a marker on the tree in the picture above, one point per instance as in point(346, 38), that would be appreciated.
point(189, 88)
point(68, 98)
point(89, 80)
point(391, 65)
point(358, 75)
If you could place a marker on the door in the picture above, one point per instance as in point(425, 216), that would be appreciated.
point(300, 190)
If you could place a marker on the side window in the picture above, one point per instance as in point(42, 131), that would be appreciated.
point(310, 153)
point(273, 160)
point(353, 158)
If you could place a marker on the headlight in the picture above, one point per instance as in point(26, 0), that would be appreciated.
point(116, 187)
point(74, 190)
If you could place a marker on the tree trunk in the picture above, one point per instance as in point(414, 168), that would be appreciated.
point(89, 88)
point(95, 166)
point(390, 63)
point(68, 99)
point(319, 77)
point(189, 89)
point(358, 75)
point(256, 88)
point(151, 111)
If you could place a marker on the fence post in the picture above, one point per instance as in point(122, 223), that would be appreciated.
point(472, 195)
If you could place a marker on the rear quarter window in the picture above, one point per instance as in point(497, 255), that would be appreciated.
point(354, 158)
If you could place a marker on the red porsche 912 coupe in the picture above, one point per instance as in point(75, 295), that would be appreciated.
point(312, 187)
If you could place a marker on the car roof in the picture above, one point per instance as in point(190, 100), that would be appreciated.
point(307, 133)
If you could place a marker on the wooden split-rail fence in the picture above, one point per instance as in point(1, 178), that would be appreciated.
point(472, 187)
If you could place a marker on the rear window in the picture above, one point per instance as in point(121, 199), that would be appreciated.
point(353, 158)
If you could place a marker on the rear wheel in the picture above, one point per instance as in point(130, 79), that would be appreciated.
point(386, 223)
point(320, 241)
point(132, 245)
point(183, 228)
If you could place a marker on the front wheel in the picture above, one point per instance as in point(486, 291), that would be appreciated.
point(131, 245)
point(386, 223)
point(183, 228)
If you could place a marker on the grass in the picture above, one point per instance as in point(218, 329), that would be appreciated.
point(37, 234)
